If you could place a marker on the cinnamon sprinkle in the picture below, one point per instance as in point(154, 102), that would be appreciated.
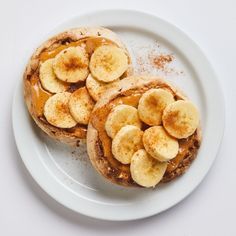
point(161, 60)
point(153, 59)
point(141, 65)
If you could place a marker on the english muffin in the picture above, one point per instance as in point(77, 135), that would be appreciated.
point(67, 74)
point(144, 133)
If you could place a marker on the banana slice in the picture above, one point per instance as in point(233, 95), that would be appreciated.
point(152, 104)
point(96, 88)
point(108, 63)
point(126, 142)
point(56, 111)
point(159, 144)
point(71, 65)
point(145, 170)
point(180, 119)
point(120, 116)
point(81, 105)
point(49, 80)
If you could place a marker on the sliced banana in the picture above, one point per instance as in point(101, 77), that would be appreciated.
point(145, 170)
point(151, 105)
point(48, 78)
point(159, 144)
point(108, 63)
point(180, 119)
point(96, 88)
point(71, 64)
point(120, 116)
point(81, 105)
point(56, 111)
point(126, 142)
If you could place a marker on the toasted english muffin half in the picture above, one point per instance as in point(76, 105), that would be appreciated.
point(60, 66)
point(99, 144)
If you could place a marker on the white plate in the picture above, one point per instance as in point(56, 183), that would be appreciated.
point(67, 175)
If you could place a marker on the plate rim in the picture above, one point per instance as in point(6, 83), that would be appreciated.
point(87, 212)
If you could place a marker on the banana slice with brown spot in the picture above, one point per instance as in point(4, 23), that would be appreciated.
point(97, 88)
point(81, 105)
point(71, 65)
point(49, 80)
point(180, 119)
point(126, 142)
point(56, 111)
point(151, 105)
point(159, 144)
point(145, 170)
point(108, 63)
point(120, 116)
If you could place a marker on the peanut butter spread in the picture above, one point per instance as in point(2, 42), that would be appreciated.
point(39, 95)
point(120, 172)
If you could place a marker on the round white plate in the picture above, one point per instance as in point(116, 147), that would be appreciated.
point(66, 173)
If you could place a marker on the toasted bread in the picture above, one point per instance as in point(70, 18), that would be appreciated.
point(99, 143)
point(35, 93)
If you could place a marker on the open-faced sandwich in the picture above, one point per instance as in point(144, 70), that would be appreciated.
point(143, 133)
point(66, 76)
point(140, 130)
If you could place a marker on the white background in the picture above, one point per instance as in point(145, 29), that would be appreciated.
point(25, 209)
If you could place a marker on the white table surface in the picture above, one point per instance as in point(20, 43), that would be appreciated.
point(25, 209)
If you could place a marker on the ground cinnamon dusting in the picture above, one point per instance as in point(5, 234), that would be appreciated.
point(74, 63)
point(141, 65)
point(62, 108)
point(161, 60)
point(154, 59)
